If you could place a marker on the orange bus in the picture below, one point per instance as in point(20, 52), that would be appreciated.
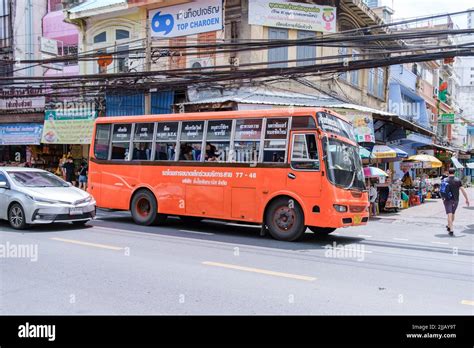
point(286, 169)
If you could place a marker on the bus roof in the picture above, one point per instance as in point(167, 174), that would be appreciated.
point(277, 112)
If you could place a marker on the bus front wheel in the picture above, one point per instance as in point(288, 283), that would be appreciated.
point(285, 219)
point(321, 230)
point(145, 209)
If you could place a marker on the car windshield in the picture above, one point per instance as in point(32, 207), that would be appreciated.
point(343, 164)
point(36, 179)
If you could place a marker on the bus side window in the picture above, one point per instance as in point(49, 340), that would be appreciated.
point(166, 137)
point(304, 154)
point(247, 140)
point(101, 142)
point(218, 141)
point(275, 143)
point(121, 141)
point(142, 141)
point(191, 141)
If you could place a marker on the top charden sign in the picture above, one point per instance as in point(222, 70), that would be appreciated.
point(186, 19)
point(292, 15)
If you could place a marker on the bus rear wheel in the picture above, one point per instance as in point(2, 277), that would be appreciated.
point(321, 230)
point(145, 209)
point(285, 219)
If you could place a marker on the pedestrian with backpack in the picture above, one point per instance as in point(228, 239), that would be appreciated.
point(449, 191)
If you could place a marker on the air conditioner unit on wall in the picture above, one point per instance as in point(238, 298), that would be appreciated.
point(199, 63)
point(435, 92)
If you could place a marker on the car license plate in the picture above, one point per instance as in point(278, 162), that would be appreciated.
point(75, 211)
point(357, 219)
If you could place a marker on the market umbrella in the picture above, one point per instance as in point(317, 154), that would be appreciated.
point(427, 160)
point(373, 172)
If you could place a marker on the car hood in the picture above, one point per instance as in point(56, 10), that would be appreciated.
point(63, 194)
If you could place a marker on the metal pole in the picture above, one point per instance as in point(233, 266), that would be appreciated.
point(147, 64)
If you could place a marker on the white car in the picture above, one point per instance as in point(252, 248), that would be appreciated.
point(35, 196)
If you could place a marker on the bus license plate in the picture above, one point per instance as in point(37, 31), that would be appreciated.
point(357, 219)
point(75, 211)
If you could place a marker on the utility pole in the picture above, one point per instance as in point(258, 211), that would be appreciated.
point(147, 64)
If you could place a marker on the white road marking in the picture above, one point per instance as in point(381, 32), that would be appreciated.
point(467, 302)
point(103, 246)
point(404, 239)
point(364, 235)
point(356, 249)
point(440, 243)
point(259, 270)
point(197, 232)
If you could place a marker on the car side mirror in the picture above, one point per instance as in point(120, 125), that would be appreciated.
point(4, 185)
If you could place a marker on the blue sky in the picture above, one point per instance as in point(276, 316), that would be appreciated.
point(414, 8)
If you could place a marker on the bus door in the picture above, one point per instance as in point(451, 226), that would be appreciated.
point(304, 175)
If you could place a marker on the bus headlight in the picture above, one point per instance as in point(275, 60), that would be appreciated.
point(340, 208)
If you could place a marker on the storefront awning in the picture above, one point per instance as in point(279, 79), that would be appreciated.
point(470, 165)
point(456, 163)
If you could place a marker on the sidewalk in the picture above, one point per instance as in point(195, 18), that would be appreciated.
point(432, 212)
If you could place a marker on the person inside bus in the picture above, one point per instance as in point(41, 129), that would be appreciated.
point(140, 152)
point(211, 152)
point(186, 153)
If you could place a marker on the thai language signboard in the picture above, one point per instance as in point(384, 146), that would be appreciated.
point(72, 126)
point(186, 19)
point(20, 134)
point(292, 15)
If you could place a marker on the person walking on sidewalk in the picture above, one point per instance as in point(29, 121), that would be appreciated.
point(451, 199)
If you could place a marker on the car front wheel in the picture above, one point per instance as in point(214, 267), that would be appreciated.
point(16, 217)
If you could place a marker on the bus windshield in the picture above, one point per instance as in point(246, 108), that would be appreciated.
point(344, 166)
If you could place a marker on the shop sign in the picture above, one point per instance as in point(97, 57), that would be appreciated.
point(72, 126)
point(186, 19)
point(292, 15)
point(363, 126)
point(446, 119)
point(49, 46)
point(21, 98)
point(21, 134)
point(426, 152)
point(464, 157)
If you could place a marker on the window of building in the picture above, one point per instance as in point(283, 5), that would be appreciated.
point(275, 143)
point(142, 141)
point(191, 141)
point(355, 73)
point(279, 54)
point(121, 58)
point(5, 22)
point(306, 54)
point(121, 141)
point(101, 142)
point(371, 82)
point(248, 133)
point(121, 34)
point(207, 39)
point(218, 141)
point(177, 58)
point(99, 38)
point(166, 137)
point(380, 82)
